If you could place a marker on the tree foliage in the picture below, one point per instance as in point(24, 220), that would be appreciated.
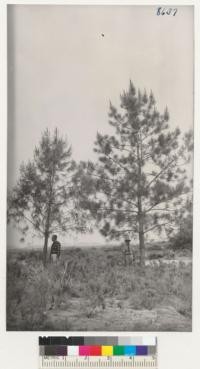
point(140, 177)
point(181, 232)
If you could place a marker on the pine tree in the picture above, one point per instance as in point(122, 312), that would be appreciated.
point(140, 176)
point(44, 197)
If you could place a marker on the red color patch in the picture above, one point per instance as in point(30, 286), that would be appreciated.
point(95, 350)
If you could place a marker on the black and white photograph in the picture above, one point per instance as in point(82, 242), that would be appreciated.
point(100, 168)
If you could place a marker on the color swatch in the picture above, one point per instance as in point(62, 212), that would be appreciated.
point(97, 346)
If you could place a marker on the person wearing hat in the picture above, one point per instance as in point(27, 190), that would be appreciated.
point(55, 249)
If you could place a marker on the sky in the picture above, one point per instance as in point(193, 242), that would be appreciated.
point(62, 73)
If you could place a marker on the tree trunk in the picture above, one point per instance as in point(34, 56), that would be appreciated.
point(47, 226)
point(45, 248)
point(141, 244)
point(140, 213)
point(49, 208)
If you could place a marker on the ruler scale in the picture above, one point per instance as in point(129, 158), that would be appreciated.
point(95, 362)
point(97, 352)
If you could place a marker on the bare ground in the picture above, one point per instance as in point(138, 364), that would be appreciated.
point(118, 316)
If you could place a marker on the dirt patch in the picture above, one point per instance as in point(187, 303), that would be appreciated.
point(118, 316)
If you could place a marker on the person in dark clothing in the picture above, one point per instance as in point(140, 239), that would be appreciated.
point(55, 249)
point(129, 256)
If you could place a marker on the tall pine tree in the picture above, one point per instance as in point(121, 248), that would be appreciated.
point(140, 177)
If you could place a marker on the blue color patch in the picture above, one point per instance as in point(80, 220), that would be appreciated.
point(142, 350)
point(130, 350)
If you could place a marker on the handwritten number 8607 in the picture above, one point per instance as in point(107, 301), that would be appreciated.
point(169, 11)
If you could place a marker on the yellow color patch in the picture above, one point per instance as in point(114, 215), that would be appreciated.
point(107, 350)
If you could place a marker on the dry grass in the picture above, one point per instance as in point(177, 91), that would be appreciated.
point(87, 283)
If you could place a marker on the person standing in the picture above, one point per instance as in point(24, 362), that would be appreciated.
point(55, 249)
point(129, 257)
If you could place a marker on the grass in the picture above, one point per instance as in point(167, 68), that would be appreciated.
point(91, 287)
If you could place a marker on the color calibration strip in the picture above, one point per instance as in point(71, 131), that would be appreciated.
point(98, 346)
point(98, 352)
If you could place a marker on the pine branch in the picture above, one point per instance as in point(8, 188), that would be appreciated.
point(163, 209)
point(119, 164)
point(33, 224)
point(38, 209)
point(103, 178)
point(120, 210)
point(114, 197)
point(155, 226)
point(125, 230)
point(161, 172)
point(132, 131)
point(115, 187)
point(165, 200)
point(147, 135)
point(122, 148)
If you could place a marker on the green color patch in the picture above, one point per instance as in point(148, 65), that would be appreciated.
point(118, 350)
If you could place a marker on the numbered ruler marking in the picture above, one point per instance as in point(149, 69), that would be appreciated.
point(64, 362)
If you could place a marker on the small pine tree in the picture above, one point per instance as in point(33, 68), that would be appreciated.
point(44, 197)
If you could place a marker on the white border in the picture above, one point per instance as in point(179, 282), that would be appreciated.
point(19, 350)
